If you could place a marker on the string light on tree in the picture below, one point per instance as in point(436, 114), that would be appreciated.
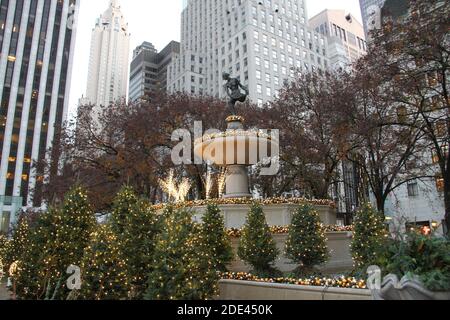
point(338, 282)
point(257, 246)
point(221, 181)
point(58, 241)
point(306, 244)
point(368, 236)
point(216, 238)
point(182, 267)
point(135, 225)
point(175, 191)
point(208, 184)
point(104, 269)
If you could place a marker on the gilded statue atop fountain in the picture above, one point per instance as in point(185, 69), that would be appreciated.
point(233, 89)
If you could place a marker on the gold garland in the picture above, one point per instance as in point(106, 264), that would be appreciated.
point(233, 134)
point(237, 233)
point(235, 119)
point(340, 282)
point(245, 201)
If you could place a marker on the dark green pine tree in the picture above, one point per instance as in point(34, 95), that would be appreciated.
point(4, 243)
point(215, 236)
point(182, 270)
point(18, 243)
point(59, 240)
point(257, 246)
point(35, 262)
point(202, 266)
point(123, 204)
point(104, 274)
point(75, 223)
point(369, 235)
point(136, 226)
point(306, 244)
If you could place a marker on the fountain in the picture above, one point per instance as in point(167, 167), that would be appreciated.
point(234, 151)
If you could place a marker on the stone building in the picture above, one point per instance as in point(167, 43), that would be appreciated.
point(262, 43)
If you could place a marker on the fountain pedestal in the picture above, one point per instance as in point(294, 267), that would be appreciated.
point(237, 182)
point(237, 185)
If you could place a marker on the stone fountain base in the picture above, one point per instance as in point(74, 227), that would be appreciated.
point(277, 214)
point(281, 215)
point(339, 261)
point(237, 182)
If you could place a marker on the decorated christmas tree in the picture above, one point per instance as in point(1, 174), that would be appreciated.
point(139, 225)
point(35, 264)
point(215, 237)
point(74, 224)
point(306, 244)
point(203, 267)
point(58, 241)
point(368, 236)
point(103, 268)
point(182, 267)
point(18, 243)
point(257, 246)
point(4, 243)
point(124, 203)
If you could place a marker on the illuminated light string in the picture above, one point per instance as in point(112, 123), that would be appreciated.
point(208, 184)
point(233, 134)
point(237, 233)
point(339, 282)
point(1, 270)
point(246, 201)
point(221, 181)
point(235, 119)
point(177, 192)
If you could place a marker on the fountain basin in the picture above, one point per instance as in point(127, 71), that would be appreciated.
point(235, 150)
point(236, 147)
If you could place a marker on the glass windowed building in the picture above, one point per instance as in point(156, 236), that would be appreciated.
point(148, 69)
point(37, 38)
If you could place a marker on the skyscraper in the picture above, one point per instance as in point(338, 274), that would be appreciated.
point(37, 40)
point(371, 14)
point(108, 64)
point(148, 70)
point(346, 39)
point(262, 43)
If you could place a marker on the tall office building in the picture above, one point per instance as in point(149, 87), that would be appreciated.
point(346, 39)
point(260, 42)
point(37, 41)
point(108, 63)
point(145, 46)
point(148, 70)
point(371, 14)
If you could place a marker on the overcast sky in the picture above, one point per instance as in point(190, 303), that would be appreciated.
point(156, 21)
